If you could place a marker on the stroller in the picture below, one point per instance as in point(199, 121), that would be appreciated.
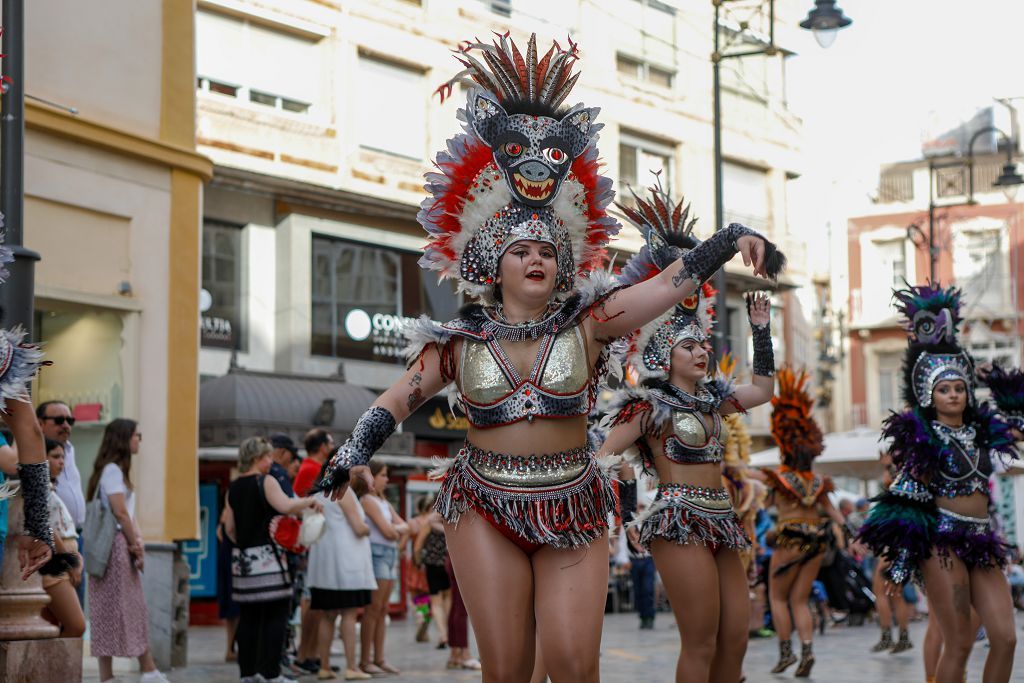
point(849, 588)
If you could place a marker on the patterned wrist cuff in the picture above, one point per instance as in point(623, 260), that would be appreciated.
point(764, 354)
point(369, 434)
point(35, 492)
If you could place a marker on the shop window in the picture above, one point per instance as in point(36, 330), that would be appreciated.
point(394, 120)
point(222, 313)
point(363, 295)
point(638, 157)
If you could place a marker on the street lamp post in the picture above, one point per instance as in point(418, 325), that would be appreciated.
point(17, 294)
point(1009, 180)
point(824, 20)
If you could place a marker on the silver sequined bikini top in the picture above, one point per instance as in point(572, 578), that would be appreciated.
point(965, 467)
point(698, 432)
point(493, 394)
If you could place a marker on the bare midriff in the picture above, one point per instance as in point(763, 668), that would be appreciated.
point(791, 511)
point(543, 435)
point(973, 505)
point(708, 475)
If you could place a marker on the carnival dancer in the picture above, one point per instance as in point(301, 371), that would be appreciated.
point(516, 213)
point(933, 521)
point(801, 536)
point(674, 418)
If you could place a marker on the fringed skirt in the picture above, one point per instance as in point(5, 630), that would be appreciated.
point(972, 539)
point(688, 515)
point(808, 537)
point(560, 499)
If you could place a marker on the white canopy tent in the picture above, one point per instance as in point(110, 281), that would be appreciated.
point(847, 454)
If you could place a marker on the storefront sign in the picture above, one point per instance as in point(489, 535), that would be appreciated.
point(217, 332)
point(383, 330)
point(434, 419)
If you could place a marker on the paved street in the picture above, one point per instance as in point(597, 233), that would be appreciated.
point(628, 656)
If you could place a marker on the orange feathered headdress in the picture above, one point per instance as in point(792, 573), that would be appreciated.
point(799, 438)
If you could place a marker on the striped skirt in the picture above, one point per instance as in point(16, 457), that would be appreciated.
point(118, 619)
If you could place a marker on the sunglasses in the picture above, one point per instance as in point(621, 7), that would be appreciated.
point(61, 419)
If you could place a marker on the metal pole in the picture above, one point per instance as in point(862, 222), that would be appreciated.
point(721, 334)
point(931, 222)
point(17, 294)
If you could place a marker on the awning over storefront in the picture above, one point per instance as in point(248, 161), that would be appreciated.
point(245, 403)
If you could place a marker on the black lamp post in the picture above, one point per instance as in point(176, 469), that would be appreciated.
point(17, 294)
point(1009, 181)
point(824, 20)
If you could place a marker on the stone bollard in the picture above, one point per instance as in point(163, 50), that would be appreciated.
point(31, 650)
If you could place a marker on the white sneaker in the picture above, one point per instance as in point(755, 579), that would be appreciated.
point(153, 676)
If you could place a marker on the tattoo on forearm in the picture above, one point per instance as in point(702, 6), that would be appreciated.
point(416, 380)
point(679, 278)
point(414, 399)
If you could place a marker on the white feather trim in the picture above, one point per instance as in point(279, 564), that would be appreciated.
point(571, 206)
point(421, 332)
point(475, 213)
point(440, 467)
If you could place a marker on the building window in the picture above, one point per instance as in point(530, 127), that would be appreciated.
point(979, 268)
point(257, 64)
point(745, 191)
point(997, 348)
point(363, 295)
point(644, 71)
point(502, 7)
point(638, 158)
point(889, 379)
point(893, 257)
point(394, 120)
point(646, 42)
point(222, 313)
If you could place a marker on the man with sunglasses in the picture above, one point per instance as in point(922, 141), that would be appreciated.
point(56, 422)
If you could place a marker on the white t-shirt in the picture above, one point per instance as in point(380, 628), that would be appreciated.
point(60, 518)
point(111, 482)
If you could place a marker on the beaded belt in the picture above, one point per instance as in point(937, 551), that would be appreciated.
point(527, 470)
point(949, 520)
point(716, 499)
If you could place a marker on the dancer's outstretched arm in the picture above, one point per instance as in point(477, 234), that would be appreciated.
point(635, 306)
point(420, 382)
point(762, 384)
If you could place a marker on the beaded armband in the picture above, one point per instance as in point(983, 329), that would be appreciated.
point(35, 492)
point(905, 486)
point(369, 434)
point(701, 262)
point(764, 355)
point(627, 500)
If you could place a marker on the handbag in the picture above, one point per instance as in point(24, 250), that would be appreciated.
point(259, 573)
point(98, 536)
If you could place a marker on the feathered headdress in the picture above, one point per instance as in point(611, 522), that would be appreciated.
point(667, 230)
point(932, 317)
point(523, 170)
point(793, 427)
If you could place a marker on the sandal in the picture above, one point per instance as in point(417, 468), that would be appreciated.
point(356, 675)
point(372, 669)
point(471, 664)
point(387, 668)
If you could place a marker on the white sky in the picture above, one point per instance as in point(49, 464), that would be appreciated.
point(865, 100)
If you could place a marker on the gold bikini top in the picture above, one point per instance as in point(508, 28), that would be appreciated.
point(493, 394)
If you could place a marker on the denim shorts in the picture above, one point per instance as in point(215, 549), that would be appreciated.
point(385, 562)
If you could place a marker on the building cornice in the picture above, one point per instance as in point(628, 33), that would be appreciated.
point(85, 131)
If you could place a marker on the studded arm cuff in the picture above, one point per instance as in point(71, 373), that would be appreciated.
point(764, 355)
point(627, 501)
point(701, 262)
point(35, 492)
point(369, 434)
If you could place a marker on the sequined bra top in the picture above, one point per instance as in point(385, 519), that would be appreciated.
point(965, 467)
point(493, 394)
point(698, 432)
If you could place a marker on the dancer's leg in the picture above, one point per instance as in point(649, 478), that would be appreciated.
point(734, 611)
point(496, 581)
point(990, 595)
point(570, 587)
point(949, 597)
point(690, 576)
